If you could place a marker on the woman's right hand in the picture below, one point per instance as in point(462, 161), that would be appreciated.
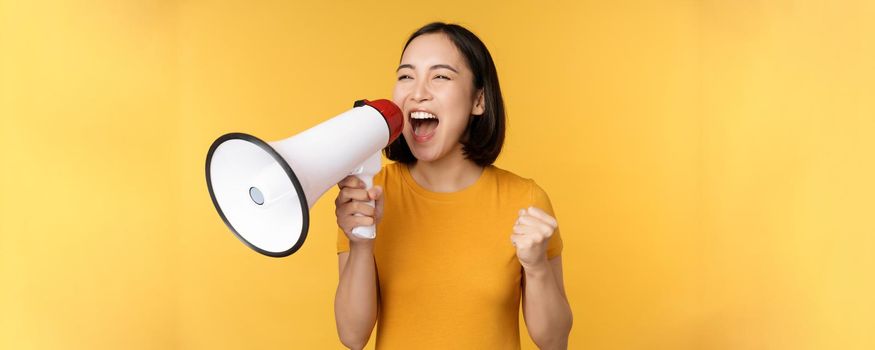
point(353, 199)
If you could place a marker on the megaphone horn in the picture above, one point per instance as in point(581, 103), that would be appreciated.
point(264, 190)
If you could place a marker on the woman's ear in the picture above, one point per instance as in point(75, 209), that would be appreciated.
point(479, 104)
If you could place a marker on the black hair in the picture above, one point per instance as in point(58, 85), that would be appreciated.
point(484, 135)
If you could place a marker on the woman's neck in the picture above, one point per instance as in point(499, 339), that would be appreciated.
point(451, 173)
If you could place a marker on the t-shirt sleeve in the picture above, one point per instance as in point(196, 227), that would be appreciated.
point(541, 201)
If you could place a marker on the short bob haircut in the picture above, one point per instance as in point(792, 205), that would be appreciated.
point(484, 136)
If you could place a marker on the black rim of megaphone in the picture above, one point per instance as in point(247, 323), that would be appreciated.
point(305, 209)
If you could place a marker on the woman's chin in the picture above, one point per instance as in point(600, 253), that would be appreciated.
point(425, 153)
point(424, 157)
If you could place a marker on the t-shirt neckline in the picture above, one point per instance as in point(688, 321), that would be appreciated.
point(445, 196)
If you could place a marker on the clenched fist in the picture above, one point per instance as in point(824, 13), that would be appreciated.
point(352, 208)
point(531, 233)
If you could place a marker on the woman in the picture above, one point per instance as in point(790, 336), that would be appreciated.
point(460, 241)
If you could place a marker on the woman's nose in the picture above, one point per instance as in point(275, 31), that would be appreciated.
point(420, 91)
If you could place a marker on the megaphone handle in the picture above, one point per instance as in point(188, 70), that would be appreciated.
point(366, 231)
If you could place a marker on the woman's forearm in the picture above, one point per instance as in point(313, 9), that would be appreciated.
point(547, 313)
point(355, 304)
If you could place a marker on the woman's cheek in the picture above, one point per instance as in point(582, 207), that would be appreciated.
point(454, 131)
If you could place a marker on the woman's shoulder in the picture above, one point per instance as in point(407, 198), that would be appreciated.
point(511, 181)
point(390, 169)
point(526, 189)
point(506, 175)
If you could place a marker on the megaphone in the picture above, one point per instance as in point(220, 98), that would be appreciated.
point(264, 190)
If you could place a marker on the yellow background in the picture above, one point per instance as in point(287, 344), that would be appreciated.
point(711, 164)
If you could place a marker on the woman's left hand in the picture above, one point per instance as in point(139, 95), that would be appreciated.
point(531, 233)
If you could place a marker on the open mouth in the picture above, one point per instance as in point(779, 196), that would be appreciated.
point(424, 124)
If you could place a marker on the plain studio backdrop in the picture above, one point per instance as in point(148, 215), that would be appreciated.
point(711, 164)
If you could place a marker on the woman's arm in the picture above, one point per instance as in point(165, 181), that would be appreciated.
point(545, 305)
point(355, 304)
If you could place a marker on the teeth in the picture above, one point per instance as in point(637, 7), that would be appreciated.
point(422, 115)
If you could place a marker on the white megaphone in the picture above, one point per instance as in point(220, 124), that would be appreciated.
point(264, 190)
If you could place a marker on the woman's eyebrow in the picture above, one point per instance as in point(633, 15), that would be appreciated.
point(447, 66)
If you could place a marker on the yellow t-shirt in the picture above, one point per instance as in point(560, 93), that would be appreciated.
point(448, 273)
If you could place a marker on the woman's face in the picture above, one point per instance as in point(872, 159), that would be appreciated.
point(435, 90)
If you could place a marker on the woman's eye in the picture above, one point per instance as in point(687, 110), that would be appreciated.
point(441, 77)
point(404, 77)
